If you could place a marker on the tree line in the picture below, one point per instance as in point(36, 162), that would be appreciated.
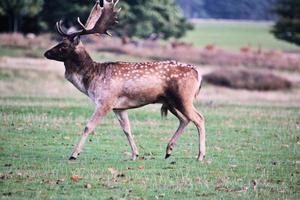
point(141, 18)
point(229, 9)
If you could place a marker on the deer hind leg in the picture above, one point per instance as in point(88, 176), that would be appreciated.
point(124, 122)
point(99, 113)
point(197, 118)
point(183, 122)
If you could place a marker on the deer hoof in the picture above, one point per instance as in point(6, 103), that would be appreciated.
point(72, 158)
point(167, 155)
point(201, 158)
point(134, 157)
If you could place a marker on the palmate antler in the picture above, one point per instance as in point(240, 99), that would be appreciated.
point(99, 21)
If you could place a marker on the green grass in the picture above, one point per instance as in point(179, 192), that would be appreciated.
point(234, 35)
point(244, 143)
point(21, 52)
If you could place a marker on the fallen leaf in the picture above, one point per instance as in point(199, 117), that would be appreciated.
point(221, 188)
point(220, 182)
point(130, 168)
point(142, 182)
point(297, 125)
point(66, 137)
point(164, 139)
point(50, 182)
point(208, 162)
point(141, 167)
point(59, 181)
point(142, 158)
point(120, 175)
point(219, 149)
point(19, 174)
point(198, 179)
point(243, 189)
point(204, 194)
point(254, 184)
point(285, 145)
point(87, 186)
point(127, 153)
point(159, 196)
point(75, 178)
point(6, 193)
point(113, 171)
point(225, 189)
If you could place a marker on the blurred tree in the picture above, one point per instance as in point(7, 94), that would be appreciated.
point(138, 18)
point(15, 10)
point(287, 26)
point(141, 18)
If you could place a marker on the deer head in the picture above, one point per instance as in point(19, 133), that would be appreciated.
point(99, 21)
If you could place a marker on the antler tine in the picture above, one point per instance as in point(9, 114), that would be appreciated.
point(58, 29)
point(80, 23)
point(63, 33)
point(116, 2)
point(61, 29)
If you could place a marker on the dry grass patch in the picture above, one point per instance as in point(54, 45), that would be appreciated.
point(247, 79)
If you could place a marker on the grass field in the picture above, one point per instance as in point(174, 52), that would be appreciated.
point(245, 144)
point(234, 35)
point(253, 138)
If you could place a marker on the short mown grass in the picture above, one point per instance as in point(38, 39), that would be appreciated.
point(234, 35)
point(252, 153)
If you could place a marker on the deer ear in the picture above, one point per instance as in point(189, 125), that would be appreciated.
point(76, 40)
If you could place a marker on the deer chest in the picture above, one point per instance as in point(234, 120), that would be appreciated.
point(77, 81)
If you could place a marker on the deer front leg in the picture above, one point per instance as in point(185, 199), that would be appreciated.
point(124, 122)
point(91, 125)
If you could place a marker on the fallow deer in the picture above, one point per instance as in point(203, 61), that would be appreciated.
point(118, 86)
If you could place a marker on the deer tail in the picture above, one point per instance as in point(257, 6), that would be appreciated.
point(199, 82)
point(164, 111)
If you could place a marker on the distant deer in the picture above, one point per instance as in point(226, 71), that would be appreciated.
point(119, 86)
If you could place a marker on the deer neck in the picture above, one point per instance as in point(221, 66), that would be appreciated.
point(79, 61)
point(78, 69)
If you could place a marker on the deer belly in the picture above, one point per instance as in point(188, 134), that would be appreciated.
point(135, 100)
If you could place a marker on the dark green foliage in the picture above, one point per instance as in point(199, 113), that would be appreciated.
point(140, 18)
point(12, 12)
point(287, 26)
point(68, 11)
